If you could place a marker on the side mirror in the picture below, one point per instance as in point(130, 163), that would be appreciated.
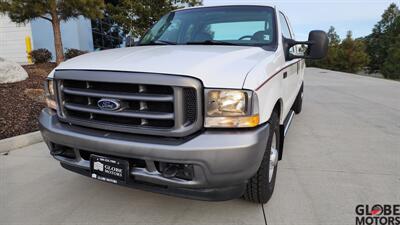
point(317, 46)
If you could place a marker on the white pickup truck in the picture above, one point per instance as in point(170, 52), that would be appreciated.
point(199, 108)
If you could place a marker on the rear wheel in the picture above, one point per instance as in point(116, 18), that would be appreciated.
point(261, 186)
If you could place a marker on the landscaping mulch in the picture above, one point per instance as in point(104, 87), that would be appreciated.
point(21, 102)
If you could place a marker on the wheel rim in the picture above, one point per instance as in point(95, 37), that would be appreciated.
point(273, 158)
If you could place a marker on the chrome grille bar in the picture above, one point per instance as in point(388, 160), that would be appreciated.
point(124, 113)
point(127, 96)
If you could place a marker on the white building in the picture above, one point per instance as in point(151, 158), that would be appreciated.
point(76, 33)
point(12, 40)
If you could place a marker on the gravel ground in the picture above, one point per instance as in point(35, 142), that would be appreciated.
point(21, 102)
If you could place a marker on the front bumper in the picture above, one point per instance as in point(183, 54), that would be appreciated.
point(223, 160)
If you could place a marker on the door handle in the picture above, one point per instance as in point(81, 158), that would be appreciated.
point(284, 75)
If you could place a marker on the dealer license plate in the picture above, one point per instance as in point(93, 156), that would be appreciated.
point(110, 170)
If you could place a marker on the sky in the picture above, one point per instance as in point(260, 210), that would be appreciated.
point(359, 16)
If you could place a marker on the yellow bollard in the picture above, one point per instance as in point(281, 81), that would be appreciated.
point(28, 45)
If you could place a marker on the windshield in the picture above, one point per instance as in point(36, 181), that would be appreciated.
point(227, 25)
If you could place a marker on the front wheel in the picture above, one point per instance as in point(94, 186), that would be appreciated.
point(260, 187)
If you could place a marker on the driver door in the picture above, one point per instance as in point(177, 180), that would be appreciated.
point(291, 75)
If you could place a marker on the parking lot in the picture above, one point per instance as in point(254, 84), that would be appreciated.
point(343, 150)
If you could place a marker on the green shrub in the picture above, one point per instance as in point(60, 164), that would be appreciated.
point(72, 52)
point(41, 55)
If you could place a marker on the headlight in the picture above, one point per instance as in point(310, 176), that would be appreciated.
point(231, 108)
point(50, 94)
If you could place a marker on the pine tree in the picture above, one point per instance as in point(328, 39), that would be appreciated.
point(391, 66)
point(334, 38)
point(137, 16)
point(383, 35)
point(351, 55)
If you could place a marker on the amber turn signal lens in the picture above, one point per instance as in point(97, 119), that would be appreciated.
point(51, 104)
point(232, 122)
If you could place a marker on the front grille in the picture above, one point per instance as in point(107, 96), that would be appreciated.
point(146, 106)
point(141, 105)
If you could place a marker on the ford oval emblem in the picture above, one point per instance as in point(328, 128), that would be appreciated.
point(109, 104)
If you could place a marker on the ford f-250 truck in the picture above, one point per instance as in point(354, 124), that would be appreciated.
point(199, 108)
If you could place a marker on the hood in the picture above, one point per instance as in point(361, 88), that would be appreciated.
point(215, 66)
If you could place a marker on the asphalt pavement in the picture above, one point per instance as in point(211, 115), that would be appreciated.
point(343, 150)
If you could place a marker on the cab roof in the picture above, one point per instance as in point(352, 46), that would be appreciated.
point(232, 3)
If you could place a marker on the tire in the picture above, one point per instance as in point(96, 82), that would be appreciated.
point(260, 187)
point(298, 103)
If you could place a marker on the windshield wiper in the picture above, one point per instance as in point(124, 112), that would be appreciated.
point(165, 42)
point(210, 42)
point(207, 42)
point(160, 42)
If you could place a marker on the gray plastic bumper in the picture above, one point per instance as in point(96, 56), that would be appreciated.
point(222, 159)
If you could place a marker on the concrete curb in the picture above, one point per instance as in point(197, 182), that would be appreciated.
point(20, 141)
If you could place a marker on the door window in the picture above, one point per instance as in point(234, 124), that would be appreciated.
point(284, 26)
